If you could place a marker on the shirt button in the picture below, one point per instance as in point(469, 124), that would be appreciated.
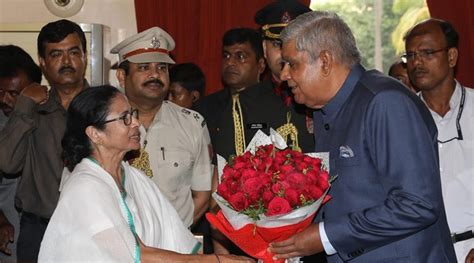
point(326, 127)
point(441, 169)
point(175, 164)
point(440, 145)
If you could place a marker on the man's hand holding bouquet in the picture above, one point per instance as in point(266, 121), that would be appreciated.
point(268, 194)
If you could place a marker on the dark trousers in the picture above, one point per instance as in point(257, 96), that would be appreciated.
point(32, 228)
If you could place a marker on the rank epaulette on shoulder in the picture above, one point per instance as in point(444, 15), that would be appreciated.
point(185, 111)
point(196, 116)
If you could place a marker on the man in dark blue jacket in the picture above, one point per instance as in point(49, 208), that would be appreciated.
point(386, 203)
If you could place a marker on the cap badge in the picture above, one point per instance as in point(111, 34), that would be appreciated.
point(155, 42)
point(285, 18)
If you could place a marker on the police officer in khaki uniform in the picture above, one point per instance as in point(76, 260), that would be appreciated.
point(273, 18)
point(175, 140)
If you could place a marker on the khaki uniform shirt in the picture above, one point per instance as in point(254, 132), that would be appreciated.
point(177, 142)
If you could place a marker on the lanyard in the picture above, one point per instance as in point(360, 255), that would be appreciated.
point(458, 117)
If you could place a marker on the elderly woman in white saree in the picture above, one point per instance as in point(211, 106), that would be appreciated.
point(109, 211)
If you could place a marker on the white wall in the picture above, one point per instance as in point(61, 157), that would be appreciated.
point(117, 15)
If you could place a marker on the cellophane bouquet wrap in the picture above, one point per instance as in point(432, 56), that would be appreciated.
point(268, 194)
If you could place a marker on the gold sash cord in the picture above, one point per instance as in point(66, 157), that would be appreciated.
point(239, 134)
point(142, 162)
point(290, 130)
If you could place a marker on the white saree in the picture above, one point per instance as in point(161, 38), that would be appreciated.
point(91, 224)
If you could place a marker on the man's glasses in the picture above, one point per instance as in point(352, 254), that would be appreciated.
point(422, 54)
point(126, 118)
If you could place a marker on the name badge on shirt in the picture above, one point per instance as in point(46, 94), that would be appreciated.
point(256, 126)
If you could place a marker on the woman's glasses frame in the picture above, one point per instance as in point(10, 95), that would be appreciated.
point(126, 118)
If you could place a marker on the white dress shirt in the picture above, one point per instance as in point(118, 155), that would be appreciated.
point(457, 165)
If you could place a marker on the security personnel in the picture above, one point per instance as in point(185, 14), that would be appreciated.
point(246, 104)
point(175, 141)
point(273, 18)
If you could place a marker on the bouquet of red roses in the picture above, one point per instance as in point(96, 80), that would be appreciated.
point(268, 196)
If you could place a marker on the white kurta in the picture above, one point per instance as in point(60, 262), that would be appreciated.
point(457, 167)
point(90, 222)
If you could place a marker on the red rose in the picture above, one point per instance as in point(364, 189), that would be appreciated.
point(292, 196)
point(277, 188)
point(324, 175)
point(223, 191)
point(323, 183)
point(253, 186)
point(267, 197)
point(296, 180)
point(313, 176)
point(238, 201)
point(266, 178)
point(234, 187)
point(239, 165)
point(278, 206)
point(297, 155)
point(248, 173)
point(301, 165)
point(228, 172)
point(279, 159)
point(314, 192)
point(286, 168)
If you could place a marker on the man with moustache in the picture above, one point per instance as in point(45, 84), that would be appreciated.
point(431, 57)
point(175, 141)
point(386, 202)
point(246, 104)
point(30, 143)
point(17, 70)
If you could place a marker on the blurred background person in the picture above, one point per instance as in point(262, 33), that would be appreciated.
point(187, 84)
point(17, 71)
point(398, 70)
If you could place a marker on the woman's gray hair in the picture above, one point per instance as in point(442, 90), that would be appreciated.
point(316, 31)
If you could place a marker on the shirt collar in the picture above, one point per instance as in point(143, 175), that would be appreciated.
point(456, 97)
point(54, 102)
point(331, 108)
point(453, 102)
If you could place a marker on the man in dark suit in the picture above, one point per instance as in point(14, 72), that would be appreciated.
point(386, 203)
point(246, 104)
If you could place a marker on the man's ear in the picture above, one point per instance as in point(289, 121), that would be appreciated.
point(120, 74)
point(264, 46)
point(41, 62)
point(326, 60)
point(195, 95)
point(261, 65)
point(452, 57)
